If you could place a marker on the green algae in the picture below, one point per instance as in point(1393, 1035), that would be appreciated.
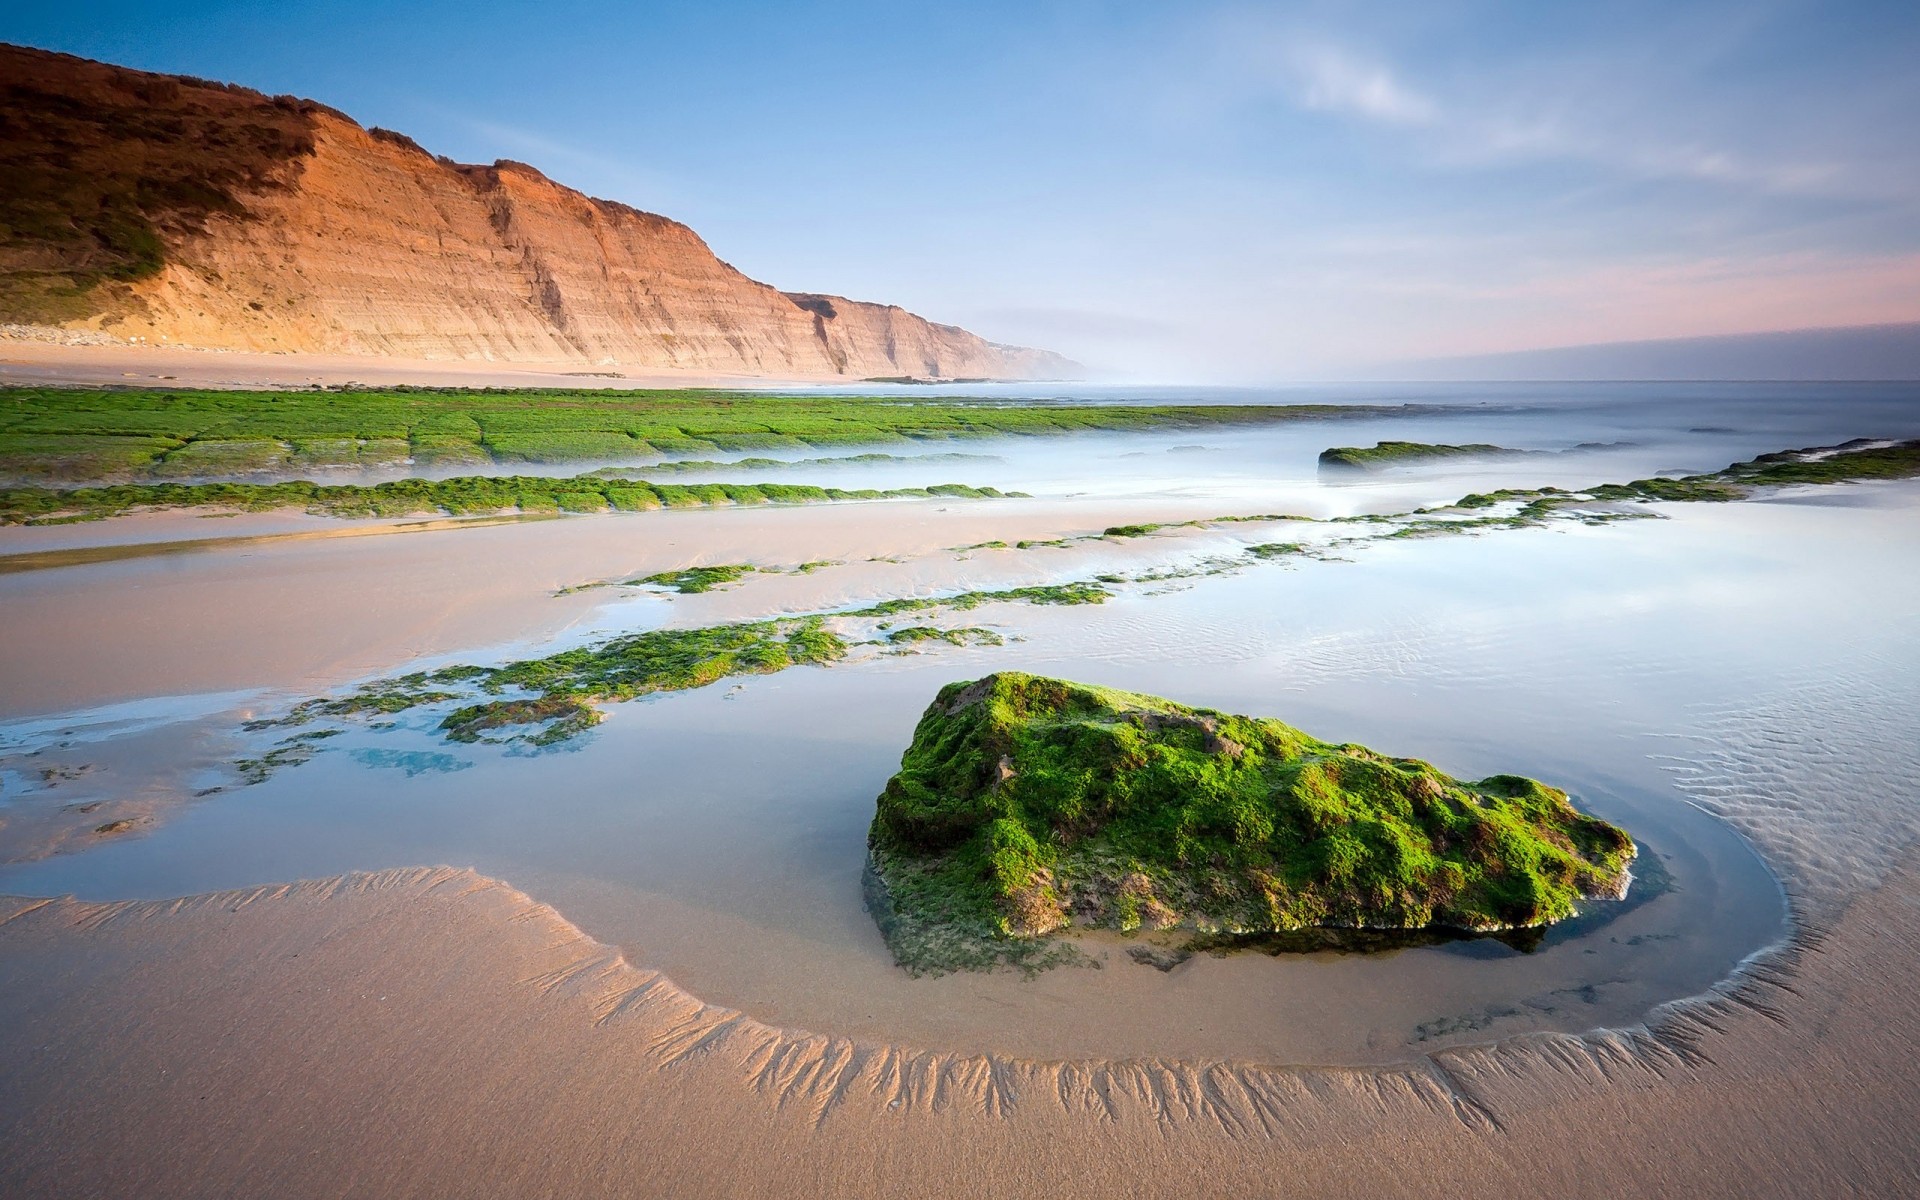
point(1387, 454)
point(287, 754)
point(1277, 550)
point(690, 581)
point(545, 701)
point(664, 660)
point(1530, 508)
point(87, 435)
point(561, 716)
point(1026, 806)
point(669, 660)
point(1056, 593)
point(690, 466)
point(1850, 462)
point(917, 635)
point(456, 496)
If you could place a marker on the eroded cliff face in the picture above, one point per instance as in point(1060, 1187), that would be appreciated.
point(285, 226)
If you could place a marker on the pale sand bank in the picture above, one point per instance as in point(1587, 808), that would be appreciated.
point(30, 363)
point(453, 1037)
point(328, 604)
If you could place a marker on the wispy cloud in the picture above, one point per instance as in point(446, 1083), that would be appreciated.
point(1334, 80)
point(1573, 110)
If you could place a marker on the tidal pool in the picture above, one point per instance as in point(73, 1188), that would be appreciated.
point(719, 835)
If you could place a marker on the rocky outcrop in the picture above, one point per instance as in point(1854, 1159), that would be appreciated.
point(199, 213)
point(1026, 805)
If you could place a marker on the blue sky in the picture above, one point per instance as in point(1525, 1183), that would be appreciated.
point(1190, 190)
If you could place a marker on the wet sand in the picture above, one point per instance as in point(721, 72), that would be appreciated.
point(716, 835)
point(432, 1032)
point(315, 604)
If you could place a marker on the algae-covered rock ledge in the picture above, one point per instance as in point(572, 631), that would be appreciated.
point(1028, 806)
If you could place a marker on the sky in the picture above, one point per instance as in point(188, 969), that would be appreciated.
point(1193, 190)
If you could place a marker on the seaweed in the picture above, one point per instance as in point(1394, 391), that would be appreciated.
point(456, 496)
point(1386, 454)
point(1057, 593)
point(130, 434)
point(693, 580)
point(915, 635)
point(563, 716)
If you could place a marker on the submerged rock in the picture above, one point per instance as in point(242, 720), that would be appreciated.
point(1027, 806)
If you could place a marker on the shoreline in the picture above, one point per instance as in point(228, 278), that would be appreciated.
point(608, 1065)
point(1670, 1032)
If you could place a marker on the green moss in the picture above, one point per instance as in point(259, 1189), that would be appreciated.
point(713, 466)
point(1129, 531)
point(1026, 805)
point(663, 660)
point(223, 456)
point(1059, 593)
point(915, 635)
point(288, 754)
point(1387, 454)
point(692, 580)
point(458, 496)
point(382, 698)
point(563, 716)
point(450, 426)
point(559, 690)
point(1849, 462)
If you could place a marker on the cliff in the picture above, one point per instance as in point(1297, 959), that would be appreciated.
point(210, 215)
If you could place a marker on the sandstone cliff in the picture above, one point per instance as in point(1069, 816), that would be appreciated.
point(209, 215)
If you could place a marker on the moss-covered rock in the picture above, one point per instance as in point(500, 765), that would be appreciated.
point(1393, 454)
point(1028, 805)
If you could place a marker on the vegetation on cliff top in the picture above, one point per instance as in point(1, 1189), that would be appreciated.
point(101, 167)
point(1027, 805)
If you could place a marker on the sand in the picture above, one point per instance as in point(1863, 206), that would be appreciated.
point(315, 603)
point(30, 363)
point(431, 1032)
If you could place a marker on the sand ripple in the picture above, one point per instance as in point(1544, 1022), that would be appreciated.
point(1819, 772)
point(817, 1076)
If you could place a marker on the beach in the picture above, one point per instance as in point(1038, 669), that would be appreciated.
point(450, 1036)
point(638, 962)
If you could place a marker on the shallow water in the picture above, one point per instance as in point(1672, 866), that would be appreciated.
point(1740, 656)
point(1645, 429)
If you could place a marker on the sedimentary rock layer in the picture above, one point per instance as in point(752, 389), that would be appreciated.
point(175, 209)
